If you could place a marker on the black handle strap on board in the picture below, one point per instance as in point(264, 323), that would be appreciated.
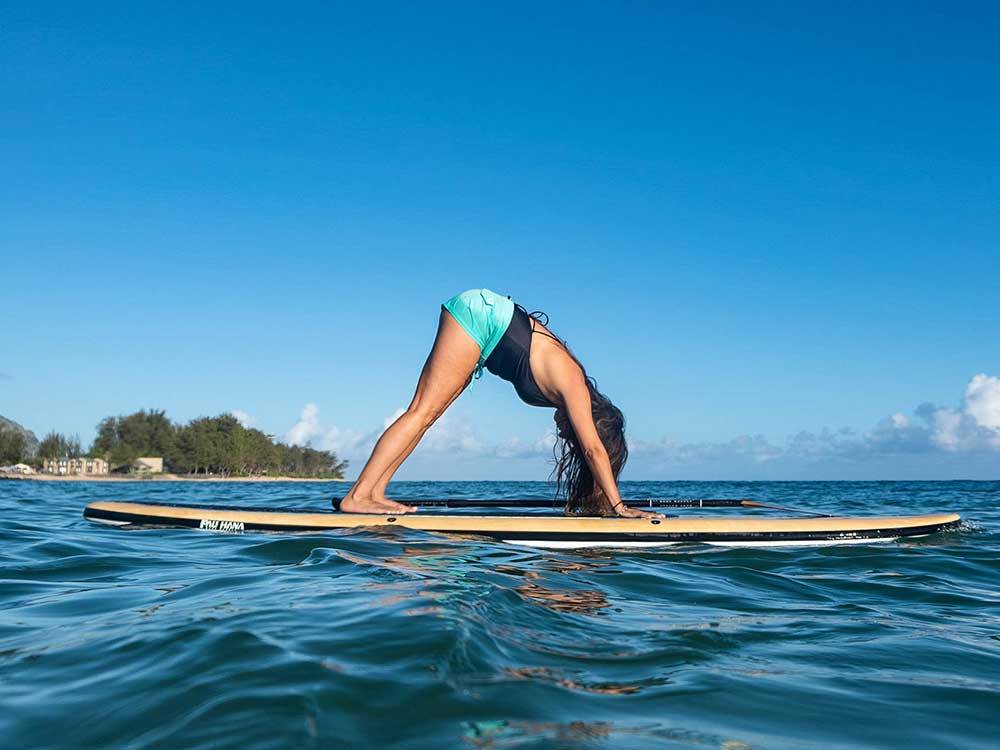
point(652, 502)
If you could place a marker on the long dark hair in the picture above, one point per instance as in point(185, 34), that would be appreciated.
point(572, 473)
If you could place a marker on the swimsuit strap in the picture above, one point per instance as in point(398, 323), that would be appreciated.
point(537, 316)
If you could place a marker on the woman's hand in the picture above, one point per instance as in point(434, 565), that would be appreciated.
point(579, 410)
point(623, 511)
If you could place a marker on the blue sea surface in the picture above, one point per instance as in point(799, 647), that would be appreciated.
point(172, 638)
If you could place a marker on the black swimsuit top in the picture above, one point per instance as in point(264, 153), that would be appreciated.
point(510, 360)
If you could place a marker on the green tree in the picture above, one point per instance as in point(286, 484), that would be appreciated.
point(107, 436)
point(122, 455)
point(209, 445)
point(56, 445)
point(12, 446)
point(144, 433)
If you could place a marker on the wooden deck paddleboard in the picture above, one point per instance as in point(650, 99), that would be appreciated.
point(539, 530)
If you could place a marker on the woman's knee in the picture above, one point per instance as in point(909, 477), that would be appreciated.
point(426, 414)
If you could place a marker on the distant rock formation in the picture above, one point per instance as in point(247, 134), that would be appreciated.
point(30, 441)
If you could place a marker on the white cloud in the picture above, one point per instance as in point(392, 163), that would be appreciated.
point(753, 447)
point(973, 427)
point(307, 428)
point(515, 447)
point(451, 435)
point(947, 427)
point(243, 418)
point(344, 442)
point(982, 400)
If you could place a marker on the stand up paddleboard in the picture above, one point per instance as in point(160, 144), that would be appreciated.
point(541, 530)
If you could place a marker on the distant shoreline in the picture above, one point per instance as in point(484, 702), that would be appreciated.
point(155, 478)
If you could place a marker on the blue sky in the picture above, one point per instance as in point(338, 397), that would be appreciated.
point(765, 231)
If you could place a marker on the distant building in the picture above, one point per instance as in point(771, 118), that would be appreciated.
point(75, 466)
point(148, 465)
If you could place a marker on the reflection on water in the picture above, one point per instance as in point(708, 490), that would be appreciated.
point(504, 734)
point(581, 601)
point(539, 583)
point(552, 676)
point(493, 735)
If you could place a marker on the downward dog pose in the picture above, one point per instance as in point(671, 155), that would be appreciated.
point(477, 329)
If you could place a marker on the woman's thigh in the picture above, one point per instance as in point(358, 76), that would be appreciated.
point(449, 367)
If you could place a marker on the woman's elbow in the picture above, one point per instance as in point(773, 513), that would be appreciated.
point(594, 451)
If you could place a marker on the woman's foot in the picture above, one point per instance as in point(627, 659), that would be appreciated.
point(392, 506)
point(379, 506)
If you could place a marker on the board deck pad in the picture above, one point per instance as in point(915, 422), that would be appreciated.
point(537, 530)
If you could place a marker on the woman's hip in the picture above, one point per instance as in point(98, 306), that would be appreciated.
point(483, 314)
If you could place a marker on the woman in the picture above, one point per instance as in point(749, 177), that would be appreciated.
point(480, 328)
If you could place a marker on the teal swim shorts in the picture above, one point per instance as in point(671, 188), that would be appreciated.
point(484, 315)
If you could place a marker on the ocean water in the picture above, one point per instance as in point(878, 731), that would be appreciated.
point(122, 639)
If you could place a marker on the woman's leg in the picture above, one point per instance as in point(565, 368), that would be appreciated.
point(378, 493)
point(445, 375)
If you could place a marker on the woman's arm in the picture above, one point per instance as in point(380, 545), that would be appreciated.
point(576, 399)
